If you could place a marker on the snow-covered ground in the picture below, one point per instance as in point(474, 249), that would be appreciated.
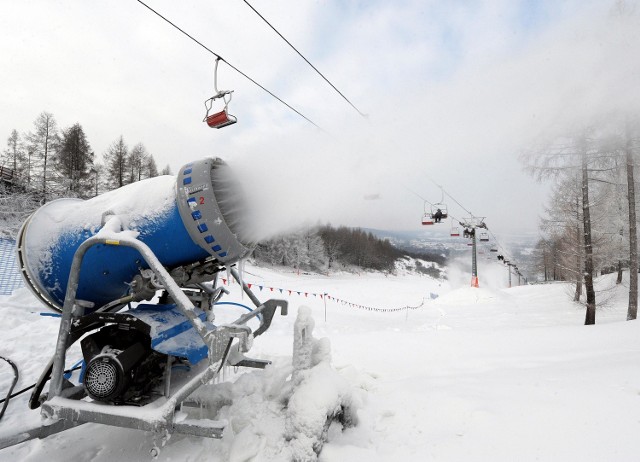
point(475, 375)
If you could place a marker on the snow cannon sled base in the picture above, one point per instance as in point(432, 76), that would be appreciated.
point(141, 365)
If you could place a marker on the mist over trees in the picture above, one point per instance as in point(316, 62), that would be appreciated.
point(325, 249)
point(590, 224)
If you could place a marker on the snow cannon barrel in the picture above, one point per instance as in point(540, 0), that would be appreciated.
point(184, 219)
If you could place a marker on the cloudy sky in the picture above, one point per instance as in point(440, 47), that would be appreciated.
point(454, 91)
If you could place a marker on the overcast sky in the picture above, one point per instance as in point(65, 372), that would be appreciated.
point(454, 90)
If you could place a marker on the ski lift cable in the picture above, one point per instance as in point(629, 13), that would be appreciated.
point(444, 192)
point(459, 204)
point(229, 64)
point(430, 203)
point(413, 192)
point(303, 57)
point(500, 246)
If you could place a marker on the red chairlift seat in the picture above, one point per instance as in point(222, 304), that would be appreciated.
point(222, 118)
point(427, 220)
point(455, 232)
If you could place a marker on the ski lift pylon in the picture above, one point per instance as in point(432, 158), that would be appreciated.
point(222, 118)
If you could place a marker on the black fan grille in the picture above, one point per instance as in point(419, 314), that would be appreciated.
point(101, 379)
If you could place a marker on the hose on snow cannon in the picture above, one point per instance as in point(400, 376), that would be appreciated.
point(192, 220)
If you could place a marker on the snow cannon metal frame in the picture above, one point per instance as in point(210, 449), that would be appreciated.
point(141, 364)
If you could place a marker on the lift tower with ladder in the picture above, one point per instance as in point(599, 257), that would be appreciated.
point(470, 225)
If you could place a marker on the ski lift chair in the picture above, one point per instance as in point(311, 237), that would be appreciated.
point(427, 219)
point(443, 209)
point(455, 231)
point(484, 237)
point(222, 118)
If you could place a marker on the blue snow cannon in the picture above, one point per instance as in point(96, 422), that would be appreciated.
point(196, 216)
point(162, 241)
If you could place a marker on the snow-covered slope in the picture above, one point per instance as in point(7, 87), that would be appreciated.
point(476, 374)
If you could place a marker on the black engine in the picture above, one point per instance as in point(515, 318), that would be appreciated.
point(121, 366)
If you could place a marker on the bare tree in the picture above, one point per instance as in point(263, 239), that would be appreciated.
point(151, 168)
point(137, 162)
point(97, 174)
point(116, 163)
point(166, 170)
point(590, 316)
point(568, 155)
point(74, 160)
point(42, 144)
point(632, 310)
point(563, 225)
point(14, 156)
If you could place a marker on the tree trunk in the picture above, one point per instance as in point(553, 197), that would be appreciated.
point(44, 171)
point(619, 278)
point(544, 261)
point(578, 292)
point(632, 311)
point(590, 317)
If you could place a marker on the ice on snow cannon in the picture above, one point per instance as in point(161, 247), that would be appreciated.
point(183, 219)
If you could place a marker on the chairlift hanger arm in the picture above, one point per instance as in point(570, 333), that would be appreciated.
point(219, 93)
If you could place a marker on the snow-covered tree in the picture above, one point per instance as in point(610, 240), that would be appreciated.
point(15, 207)
point(14, 157)
point(74, 161)
point(571, 155)
point(42, 144)
point(150, 167)
point(116, 163)
point(137, 162)
point(630, 151)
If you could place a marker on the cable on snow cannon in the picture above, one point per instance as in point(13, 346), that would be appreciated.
point(162, 241)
